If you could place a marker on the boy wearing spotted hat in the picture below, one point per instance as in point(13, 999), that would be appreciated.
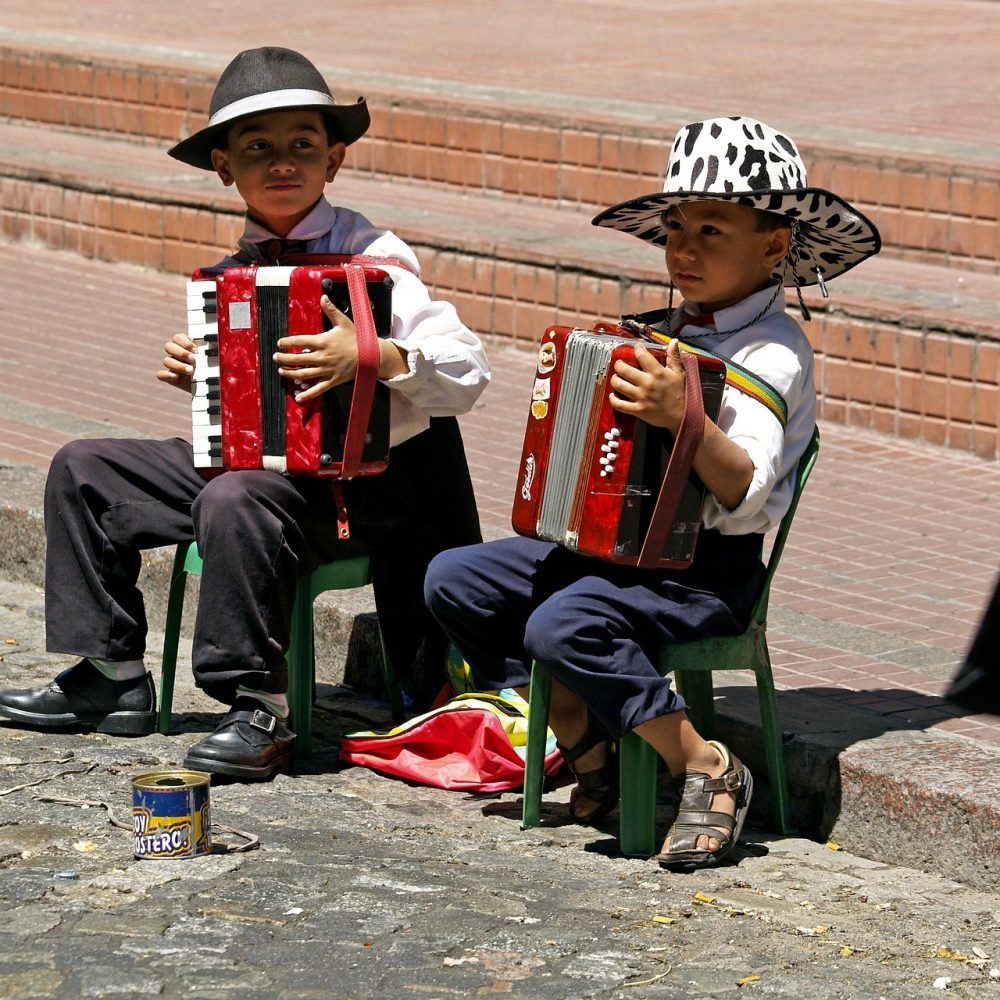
point(738, 225)
point(276, 133)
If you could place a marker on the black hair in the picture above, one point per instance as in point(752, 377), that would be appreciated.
point(332, 135)
point(767, 222)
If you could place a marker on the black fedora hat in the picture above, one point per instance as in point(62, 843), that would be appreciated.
point(269, 79)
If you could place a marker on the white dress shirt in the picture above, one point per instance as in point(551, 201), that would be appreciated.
point(447, 364)
point(775, 348)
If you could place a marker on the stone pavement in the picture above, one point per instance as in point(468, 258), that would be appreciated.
point(366, 887)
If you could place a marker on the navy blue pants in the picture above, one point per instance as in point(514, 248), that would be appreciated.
point(598, 627)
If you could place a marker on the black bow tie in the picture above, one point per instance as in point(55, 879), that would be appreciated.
point(272, 250)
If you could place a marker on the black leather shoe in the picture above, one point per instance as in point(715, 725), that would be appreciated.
point(250, 743)
point(82, 696)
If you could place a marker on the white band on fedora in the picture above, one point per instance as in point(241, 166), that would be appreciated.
point(271, 101)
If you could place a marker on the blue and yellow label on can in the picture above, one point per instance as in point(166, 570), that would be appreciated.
point(171, 815)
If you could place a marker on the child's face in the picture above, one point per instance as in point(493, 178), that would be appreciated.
point(280, 162)
point(715, 254)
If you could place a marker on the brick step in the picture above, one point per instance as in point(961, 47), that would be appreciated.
point(904, 348)
point(941, 209)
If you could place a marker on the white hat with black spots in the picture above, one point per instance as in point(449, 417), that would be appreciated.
point(745, 161)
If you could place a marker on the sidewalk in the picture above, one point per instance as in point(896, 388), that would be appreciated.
point(365, 887)
point(490, 146)
point(888, 566)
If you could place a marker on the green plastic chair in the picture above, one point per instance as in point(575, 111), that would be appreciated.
point(692, 664)
point(343, 574)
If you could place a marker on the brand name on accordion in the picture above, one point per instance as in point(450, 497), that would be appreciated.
point(529, 477)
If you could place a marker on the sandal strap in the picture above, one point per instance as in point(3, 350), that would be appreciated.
point(730, 781)
point(683, 839)
point(594, 734)
point(598, 780)
point(704, 817)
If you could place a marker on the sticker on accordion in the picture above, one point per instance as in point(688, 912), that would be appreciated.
point(546, 358)
point(529, 477)
point(542, 389)
point(539, 408)
point(239, 315)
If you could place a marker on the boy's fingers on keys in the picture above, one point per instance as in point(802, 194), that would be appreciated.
point(178, 366)
point(179, 352)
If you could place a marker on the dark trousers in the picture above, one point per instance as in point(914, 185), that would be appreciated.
point(106, 500)
point(599, 628)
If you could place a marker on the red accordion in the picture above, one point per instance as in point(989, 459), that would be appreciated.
point(605, 483)
point(244, 414)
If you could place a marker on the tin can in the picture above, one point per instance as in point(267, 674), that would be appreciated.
point(171, 814)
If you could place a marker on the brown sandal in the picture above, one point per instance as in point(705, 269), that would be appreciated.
point(695, 818)
point(600, 784)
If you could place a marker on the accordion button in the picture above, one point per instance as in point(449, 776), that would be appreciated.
point(615, 432)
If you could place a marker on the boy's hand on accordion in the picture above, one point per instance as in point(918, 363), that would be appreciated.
point(652, 392)
point(178, 362)
point(326, 359)
point(331, 357)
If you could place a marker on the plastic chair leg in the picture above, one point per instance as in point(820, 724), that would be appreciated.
point(773, 747)
point(637, 762)
point(539, 698)
point(171, 638)
point(696, 688)
point(300, 670)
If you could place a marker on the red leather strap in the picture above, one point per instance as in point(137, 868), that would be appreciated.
point(686, 441)
point(340, 503)
point(369, 359)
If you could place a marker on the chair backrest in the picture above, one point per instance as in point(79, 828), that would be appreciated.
point(806, 463)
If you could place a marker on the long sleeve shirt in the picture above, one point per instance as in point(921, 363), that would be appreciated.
point(446, 361)
point(775, 348)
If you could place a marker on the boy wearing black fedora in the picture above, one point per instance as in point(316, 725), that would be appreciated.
point(738, 224)
point(276, 133)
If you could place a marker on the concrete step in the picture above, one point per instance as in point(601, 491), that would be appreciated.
point(904, 348)
point(935, 204)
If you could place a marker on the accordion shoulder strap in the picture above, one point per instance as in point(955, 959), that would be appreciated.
point(686, 441)
point(369, 357)
point(737, 376)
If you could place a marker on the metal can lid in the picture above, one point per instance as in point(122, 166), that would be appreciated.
point(165, 780)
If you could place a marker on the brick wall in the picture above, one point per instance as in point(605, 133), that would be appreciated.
point(927, 210)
